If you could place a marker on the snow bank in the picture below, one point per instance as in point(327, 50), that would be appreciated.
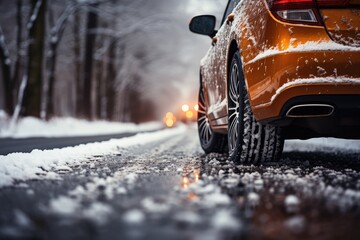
point(322, 145)
point(41, 164)
point(66, 127)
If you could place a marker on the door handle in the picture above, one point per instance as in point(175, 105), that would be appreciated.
point(230, 18)
point(214, 41)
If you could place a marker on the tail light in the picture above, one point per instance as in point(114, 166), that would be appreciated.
point(303, 11)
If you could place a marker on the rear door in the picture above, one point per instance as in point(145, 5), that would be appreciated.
point(218, 108)
point(342, 20)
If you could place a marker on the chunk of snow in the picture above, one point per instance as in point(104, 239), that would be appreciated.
point(231, 182)
point(216, 198)
point(253, 199)
point(21, 219)
point(134, 216)
point(79, 190)
point(48, 175)
point(295, 224)
point(121, 190)
point(63, 168)
point(259, 182)
point(292, 203)
point(224, 220)
point(98, 212)
point(188, 217)
point(151, 205)
point(209, 188)
point(131, 178)
point(64, 205)
point(30, 192)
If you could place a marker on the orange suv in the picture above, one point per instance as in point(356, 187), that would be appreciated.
point(279, 69)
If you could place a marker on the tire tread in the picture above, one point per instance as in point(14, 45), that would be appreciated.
point(259, 143)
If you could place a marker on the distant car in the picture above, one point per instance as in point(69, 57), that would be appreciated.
point(169, 120)
point(188, 113)
point(279, 69)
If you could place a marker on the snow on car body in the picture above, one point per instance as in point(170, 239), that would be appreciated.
point(295, 68)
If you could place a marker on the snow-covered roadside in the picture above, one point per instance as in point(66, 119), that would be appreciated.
point(322, 145)
point(66, 127)
point(42, 164)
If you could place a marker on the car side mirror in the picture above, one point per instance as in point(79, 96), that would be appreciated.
point(204, 25)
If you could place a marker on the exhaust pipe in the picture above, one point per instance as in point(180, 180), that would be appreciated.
point(310, 110)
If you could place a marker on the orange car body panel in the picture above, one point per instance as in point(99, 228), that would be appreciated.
point(343, 25)
point(276, 53)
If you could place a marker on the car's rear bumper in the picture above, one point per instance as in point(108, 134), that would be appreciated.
point(343, 119)
point(294, 74)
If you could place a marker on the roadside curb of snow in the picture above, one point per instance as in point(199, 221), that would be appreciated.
point(40, 164)
point(28, 127)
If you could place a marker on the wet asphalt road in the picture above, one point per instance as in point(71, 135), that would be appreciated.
point(170, 190)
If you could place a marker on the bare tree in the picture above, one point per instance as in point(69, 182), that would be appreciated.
point(78, 66)
point(110, 80)
point(92, 20)
point(55, 37)
point(99, 95)
point(36, 27)
point(17, 63)
point(6, 71)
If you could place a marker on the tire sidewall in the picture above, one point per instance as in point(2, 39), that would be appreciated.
point(235, 155)
point(205, 146)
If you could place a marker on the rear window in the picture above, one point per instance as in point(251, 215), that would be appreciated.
point(230, 7)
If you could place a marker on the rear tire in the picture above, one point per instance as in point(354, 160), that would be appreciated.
point(209, 140)
point(248, 140)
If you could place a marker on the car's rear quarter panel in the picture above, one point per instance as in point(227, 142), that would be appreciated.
point(276, 53)
point(343, 25)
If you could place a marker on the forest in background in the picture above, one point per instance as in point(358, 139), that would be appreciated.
point(117, 60)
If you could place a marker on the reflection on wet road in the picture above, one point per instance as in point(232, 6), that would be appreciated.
point(170, 190)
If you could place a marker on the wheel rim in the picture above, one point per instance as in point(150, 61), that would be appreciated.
point(205, 131)
point(233, 108)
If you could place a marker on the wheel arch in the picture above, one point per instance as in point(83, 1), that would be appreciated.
point(200, 78)
point(233, 47)
point(232, 50)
